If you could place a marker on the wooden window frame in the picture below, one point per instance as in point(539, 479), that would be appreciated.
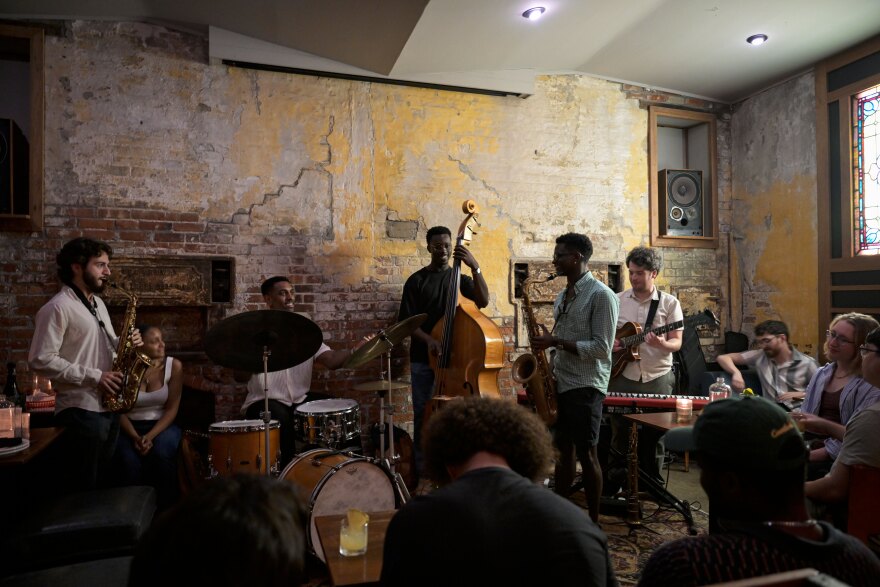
point(848, 261)
point(33, 221)
point(658, 238)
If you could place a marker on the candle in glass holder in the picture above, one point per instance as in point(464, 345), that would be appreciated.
point(684, 409)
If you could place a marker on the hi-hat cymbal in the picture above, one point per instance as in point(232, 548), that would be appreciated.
point(383, 341)
point(238, 341)
point(380, 385)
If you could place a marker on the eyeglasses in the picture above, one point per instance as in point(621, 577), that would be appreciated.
point(831, 335)
point(558, 256)
point(766, 340)
point(863, 350)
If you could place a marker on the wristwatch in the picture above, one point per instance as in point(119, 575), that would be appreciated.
point(560, 344)
point(477, 270)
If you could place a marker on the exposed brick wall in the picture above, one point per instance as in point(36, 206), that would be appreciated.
point(331, 182)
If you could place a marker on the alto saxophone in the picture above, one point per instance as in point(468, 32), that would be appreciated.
point(129, 361)
point(532, 370)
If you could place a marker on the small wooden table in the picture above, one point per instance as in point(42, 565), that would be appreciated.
point(664, 421)
point(41, 439)
point(354, 570)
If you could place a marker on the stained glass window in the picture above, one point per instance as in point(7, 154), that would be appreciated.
point(866, 172)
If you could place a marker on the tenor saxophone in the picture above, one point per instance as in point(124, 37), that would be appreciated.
point(532, 370)
point(129, 361)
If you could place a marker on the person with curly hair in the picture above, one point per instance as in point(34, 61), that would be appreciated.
point(643, 304)
point(490, 522)
point(73, 346)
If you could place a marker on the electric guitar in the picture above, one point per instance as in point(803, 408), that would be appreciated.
point(631, 336)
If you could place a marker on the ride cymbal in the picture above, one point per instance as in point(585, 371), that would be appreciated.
point(238, 341)
point(383, 341)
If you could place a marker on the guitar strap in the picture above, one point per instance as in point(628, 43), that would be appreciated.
point(652, 310)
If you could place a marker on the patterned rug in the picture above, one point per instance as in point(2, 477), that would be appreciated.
point(631, 547)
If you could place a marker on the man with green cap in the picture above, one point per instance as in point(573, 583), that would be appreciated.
point(752, 459)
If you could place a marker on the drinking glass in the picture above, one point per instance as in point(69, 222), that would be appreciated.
point(352, 538)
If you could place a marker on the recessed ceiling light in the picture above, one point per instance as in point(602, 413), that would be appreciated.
point(534, 13)
point(757, 40)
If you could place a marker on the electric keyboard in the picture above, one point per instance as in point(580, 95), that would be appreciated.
point(624, 402)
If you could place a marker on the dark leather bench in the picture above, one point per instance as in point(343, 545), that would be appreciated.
point(99, 524)
point(107, 572)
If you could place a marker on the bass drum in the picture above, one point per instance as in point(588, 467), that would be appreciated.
point(336, 482)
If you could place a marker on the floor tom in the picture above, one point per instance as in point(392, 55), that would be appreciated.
point(239, 446)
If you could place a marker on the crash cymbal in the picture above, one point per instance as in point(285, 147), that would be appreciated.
point(383, 341)
point(380, 385)
point(397, 332)
point(238, 341)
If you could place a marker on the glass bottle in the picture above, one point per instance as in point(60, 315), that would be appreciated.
point(719, 390)
point(11, 389)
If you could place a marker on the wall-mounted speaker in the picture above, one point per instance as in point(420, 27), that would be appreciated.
point(681, 197)
point(14, 166)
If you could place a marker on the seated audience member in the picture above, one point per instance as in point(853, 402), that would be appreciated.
point(752, 459)
point(837, 391)
point(490, 523)
point(148, 442)
point(784, 372)
point(861, 442)
point(229, 532)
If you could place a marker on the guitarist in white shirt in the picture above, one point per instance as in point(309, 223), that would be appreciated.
point(651, 372)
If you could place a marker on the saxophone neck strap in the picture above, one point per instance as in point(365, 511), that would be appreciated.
point(92, 307)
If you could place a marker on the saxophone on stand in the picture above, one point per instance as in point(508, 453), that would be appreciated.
point(129, 361)
point(532, 370)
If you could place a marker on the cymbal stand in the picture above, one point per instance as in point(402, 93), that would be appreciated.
point(390, 464)
point(267, 416)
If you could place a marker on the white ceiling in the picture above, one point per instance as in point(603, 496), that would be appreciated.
point(692, 47)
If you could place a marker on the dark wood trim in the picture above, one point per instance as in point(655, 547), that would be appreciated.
point(848, 261)
point(33, 221)
point(711, 227)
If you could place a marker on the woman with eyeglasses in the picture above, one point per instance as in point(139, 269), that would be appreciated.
point(837, 391)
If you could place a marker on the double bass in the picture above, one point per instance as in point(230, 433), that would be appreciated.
point(472, 350)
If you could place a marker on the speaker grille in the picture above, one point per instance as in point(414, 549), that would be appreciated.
point(683, 191)
point(681, 198)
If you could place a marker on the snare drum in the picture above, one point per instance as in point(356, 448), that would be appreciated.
point(327, 422)
point(239, 446)
point(360, 484)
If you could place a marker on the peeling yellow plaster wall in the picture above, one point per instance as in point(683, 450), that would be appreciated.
point(785, 227)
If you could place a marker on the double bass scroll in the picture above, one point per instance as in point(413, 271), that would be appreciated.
point(472, 350)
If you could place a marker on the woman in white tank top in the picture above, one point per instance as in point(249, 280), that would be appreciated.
point(146, 451)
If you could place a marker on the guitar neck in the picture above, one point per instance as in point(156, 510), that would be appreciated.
point(640, 337)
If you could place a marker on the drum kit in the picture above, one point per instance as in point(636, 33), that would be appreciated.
point(264, 341)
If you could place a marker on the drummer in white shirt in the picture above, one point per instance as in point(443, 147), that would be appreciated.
point(289, 388)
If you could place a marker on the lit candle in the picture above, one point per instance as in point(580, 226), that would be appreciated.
point(684, 408)
point(7, 427)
